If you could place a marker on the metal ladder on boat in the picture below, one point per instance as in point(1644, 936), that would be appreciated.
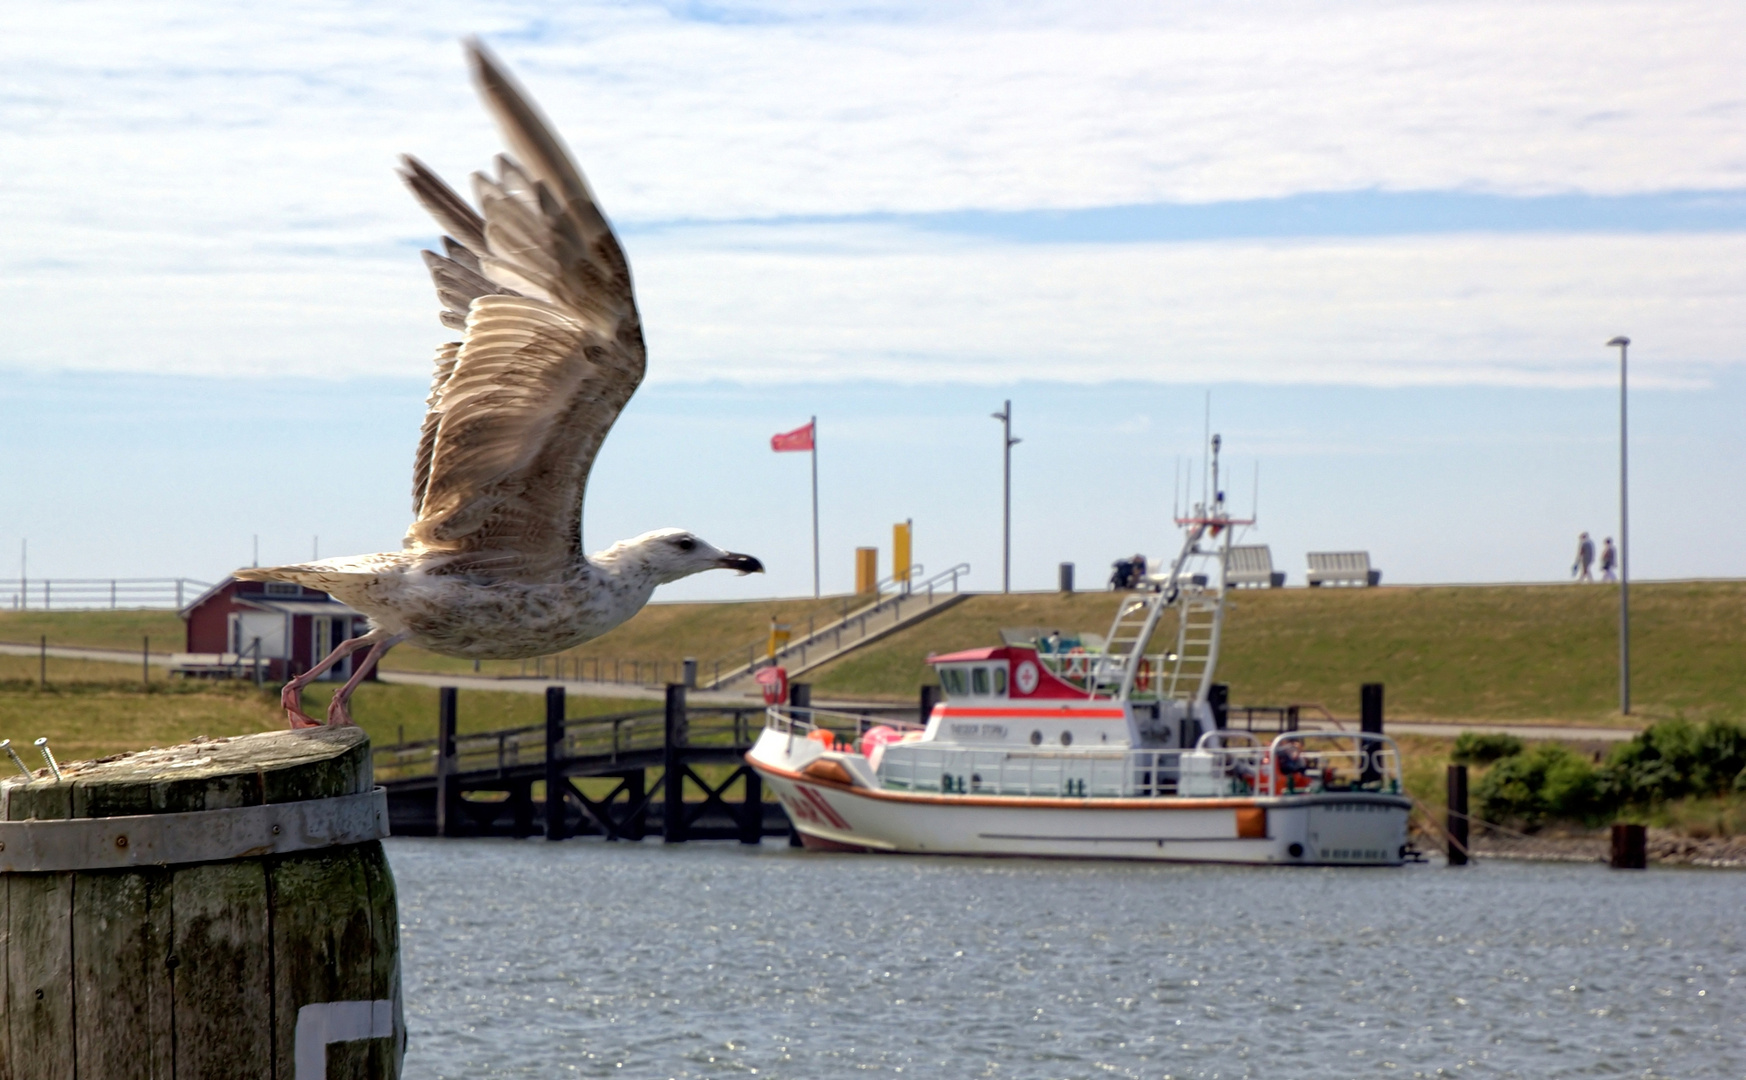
point(1199, 616)
point(1198, 600)
point(1125, 648)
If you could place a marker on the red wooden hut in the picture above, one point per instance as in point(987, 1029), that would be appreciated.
point(287, 627)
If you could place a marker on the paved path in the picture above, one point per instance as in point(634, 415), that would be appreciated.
point(80, 652)
point(1567, 732)
point(585, 688)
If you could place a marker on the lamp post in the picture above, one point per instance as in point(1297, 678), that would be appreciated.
point(1008, 442)
point(1624, 344)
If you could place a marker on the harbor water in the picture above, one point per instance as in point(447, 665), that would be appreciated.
point(529, 959)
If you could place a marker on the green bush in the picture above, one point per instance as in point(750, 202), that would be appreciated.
point(1675, 759)
point(1477, 748)
point(1671, 760)
point(1548, 782)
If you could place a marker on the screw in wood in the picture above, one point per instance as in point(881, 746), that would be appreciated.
point(49, 756)
point(6, 745)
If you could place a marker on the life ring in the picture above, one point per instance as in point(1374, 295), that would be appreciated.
point(1143, 676)
point(1077, 662)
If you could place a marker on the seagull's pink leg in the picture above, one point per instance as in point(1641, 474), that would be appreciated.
point(292, 696)
point(337, 713)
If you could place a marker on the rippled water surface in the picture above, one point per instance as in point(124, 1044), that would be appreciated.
point(528, 959)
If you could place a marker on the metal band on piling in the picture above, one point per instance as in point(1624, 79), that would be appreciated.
point(116, 843)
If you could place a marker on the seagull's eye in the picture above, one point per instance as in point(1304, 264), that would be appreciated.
point(686, 543)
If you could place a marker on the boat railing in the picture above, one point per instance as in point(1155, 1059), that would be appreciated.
point(1214, 769)
point(804, 720)
point(1294, 762)
point(1091, 671)
point(1223, 763)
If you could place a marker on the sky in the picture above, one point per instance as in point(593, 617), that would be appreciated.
point(1389, 239)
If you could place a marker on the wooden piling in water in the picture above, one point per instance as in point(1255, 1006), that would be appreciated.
point(555, 781)
point(1630, 848)
point(1370, 708)
point(219, 909)
point(673, 829)
point(1455, 823)
point(930, 696)
point(446, 795)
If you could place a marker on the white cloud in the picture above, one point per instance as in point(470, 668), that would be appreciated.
point(210, 190)
point(842, 303)
point(1529, 310)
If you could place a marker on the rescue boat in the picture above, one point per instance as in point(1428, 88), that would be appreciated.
point(1105, 750)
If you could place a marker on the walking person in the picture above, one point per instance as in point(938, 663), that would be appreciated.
point(1582, 570)
point(1609, 561)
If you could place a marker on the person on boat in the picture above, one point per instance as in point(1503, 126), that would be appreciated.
point(1581, 569)
point(1609, 561)
point(1290, 760)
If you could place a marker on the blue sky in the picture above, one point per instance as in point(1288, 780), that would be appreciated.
point(1391, 237)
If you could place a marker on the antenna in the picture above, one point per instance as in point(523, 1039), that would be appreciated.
point(1176, 489)
point(1218, 497)
point(1206, 438)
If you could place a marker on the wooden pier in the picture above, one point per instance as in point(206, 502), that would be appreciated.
point(483, 784)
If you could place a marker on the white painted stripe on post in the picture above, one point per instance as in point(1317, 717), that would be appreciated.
point(337, 1021)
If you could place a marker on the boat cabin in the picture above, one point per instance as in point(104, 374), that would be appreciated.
point(1006, 697)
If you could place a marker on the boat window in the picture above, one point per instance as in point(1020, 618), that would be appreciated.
point(979, 680)
point(1000, 680)
point(952, 678)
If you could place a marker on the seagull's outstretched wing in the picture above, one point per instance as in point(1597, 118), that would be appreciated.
point(552, 351)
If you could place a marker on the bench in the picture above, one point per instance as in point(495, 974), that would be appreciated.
point(1342, 568)
point(1252, 564)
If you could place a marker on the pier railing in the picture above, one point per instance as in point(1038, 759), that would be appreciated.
point(607, 739)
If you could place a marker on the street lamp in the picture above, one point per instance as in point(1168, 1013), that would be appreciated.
point(1623, 344)
point(1008, 442)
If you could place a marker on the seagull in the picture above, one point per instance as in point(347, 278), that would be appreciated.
point(551, 349)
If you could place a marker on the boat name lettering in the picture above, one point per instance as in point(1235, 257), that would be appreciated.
point(996, 731)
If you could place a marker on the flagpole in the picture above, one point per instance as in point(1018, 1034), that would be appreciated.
point(815, 589)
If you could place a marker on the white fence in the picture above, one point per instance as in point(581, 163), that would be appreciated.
point(69, 594)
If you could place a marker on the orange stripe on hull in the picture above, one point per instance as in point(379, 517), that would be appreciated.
point(1063, 713)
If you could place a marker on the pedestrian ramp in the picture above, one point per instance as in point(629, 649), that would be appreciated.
point(893, 605)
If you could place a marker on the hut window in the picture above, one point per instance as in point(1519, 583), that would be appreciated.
point(952, 678)
point(979, 680)
point(283, 588)
point(1000, 681)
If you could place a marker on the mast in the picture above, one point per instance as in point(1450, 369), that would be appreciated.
point(1188, 671)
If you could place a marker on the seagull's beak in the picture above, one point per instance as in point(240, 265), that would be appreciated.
point(745, 564)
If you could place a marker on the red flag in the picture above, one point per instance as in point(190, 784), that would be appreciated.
point(798, 439)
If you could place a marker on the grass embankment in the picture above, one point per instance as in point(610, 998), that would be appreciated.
point(120, 629)
point(1482, 653)
point(91, 709)
point(662, 634)
point(1505, 653)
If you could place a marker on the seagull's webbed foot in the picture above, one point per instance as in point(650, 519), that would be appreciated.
point(291, 698)
point(339, 709)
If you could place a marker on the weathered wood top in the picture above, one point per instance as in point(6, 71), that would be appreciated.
point(206, 774)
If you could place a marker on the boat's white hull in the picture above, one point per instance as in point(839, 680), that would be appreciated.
point(1344, 829)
